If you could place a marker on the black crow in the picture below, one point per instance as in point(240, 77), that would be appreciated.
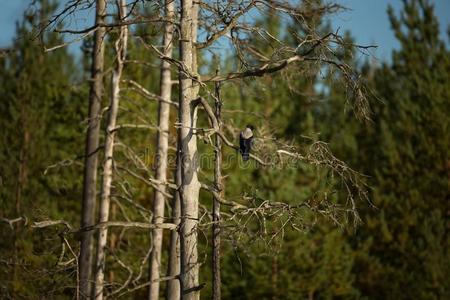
point(245, 142)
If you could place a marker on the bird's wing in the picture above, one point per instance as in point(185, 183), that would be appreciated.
point(241, 142)
point(248, 144)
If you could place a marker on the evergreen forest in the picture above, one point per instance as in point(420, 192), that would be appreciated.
point(123, 174)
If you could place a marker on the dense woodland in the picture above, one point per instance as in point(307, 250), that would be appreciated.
point(345, 196)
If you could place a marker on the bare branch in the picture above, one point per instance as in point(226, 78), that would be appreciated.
point(228, 25)
point(265, 69)
point(11, 222)
point(144, 92)
point(142, 225)
point(43, 224)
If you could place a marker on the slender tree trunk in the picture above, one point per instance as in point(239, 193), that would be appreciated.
point(112, 240)
point(173, 286)
point(91, 160)
point(216, 202)
point(161, 155)
point(121, 46)
point(190, 186)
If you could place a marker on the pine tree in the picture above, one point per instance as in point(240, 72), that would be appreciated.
point(41, 119)
point(402, 248)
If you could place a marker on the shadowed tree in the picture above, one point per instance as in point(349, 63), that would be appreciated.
point(91, 152)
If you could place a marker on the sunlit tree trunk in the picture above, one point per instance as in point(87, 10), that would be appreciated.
point(91, 160)
point(161, 155)
point(190, 186)
point(121, 45)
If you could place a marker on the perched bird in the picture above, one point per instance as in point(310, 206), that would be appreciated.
point(245, 142)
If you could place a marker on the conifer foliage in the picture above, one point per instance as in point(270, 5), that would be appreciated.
point(328, 206)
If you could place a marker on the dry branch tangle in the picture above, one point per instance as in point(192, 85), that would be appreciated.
point(190, 82)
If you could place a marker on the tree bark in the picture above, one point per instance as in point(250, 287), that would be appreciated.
point(173, 286)
point(91, 158)
point(121, 45)
point(216, 202)
point(190, 185)
point(112, 240)
point(161, 155)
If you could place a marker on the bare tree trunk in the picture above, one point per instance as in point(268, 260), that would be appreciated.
point(190, 186)
point(112, 240)
point(121, 46)
point(173, 286)
point(216, 202)
point(161, 155)
point(91, 160)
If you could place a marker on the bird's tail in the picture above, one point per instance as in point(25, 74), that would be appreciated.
point(245, 156)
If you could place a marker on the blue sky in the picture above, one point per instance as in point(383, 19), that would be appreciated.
point(366, 19)
point(369, 24)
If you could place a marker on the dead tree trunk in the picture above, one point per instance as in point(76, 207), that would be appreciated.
point(161, 155)
point(112, 240)
point(216, 202)
point(121, 45)
point(91, 159)
point(173, 285)
point(190, 185)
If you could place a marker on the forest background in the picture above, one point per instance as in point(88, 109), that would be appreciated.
point(399, 250)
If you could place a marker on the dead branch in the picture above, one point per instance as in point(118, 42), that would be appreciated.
point(43, 224)
point(144, 92)
point(11, 222)
point(141, 225)
point(136, 126)
point(229, 24)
